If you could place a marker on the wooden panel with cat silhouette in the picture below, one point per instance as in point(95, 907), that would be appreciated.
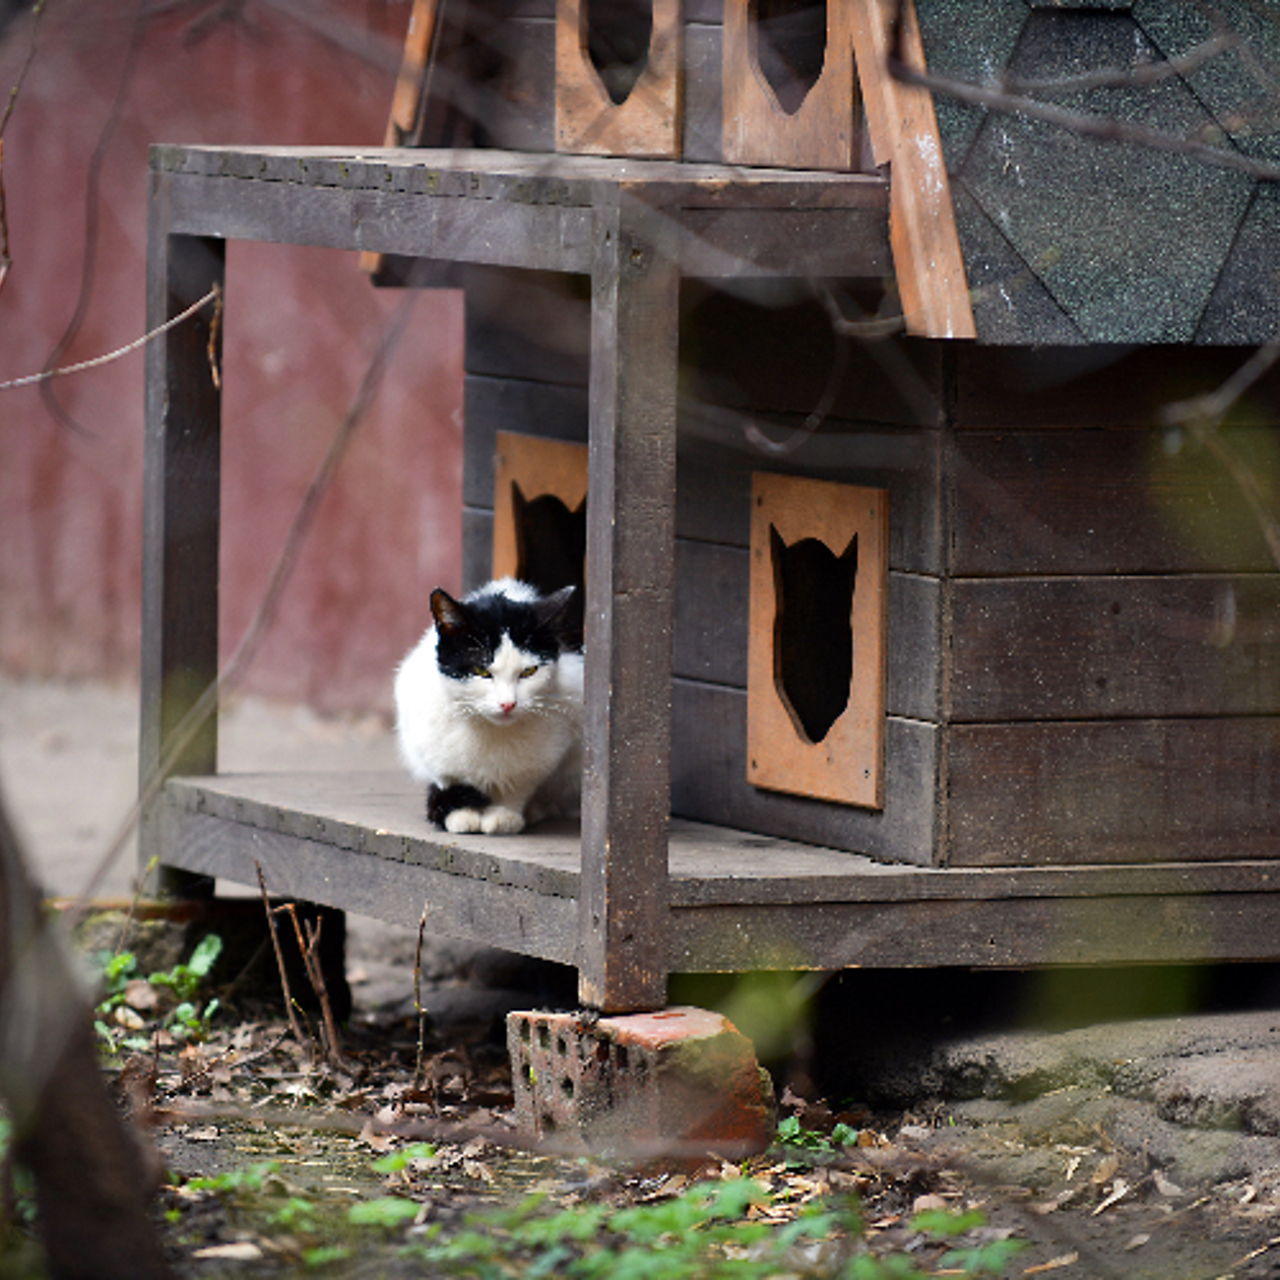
point(816, 651)
point(540, 512)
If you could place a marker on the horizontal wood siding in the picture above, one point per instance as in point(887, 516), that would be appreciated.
point(1113, 614)
point(713, 497)
point(709, 782)
point(1096, 501)
point(1160, 790)
point(1096, 385)
point(1111, 647)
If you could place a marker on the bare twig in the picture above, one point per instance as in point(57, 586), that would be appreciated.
point(6, 259)
point(1105, 128)
point(214, 295)
point(93, 219)
point(309, 947)
point(1203, 415)
point(419, 1070)
point(1138, 77)
point(302, 1040)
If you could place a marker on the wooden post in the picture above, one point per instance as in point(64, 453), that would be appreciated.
point(181, 500)
point(623, 920)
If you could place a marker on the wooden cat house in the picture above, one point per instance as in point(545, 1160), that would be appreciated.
point(952, 648)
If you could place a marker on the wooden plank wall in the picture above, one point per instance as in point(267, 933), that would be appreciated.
point(747, 370)
point(1114, 690)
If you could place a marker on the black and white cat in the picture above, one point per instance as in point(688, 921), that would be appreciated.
point(489, 708)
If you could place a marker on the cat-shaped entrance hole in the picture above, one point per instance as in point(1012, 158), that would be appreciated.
point(789, 43)
point(813, 631)
point(551, 549)
point(617, 35)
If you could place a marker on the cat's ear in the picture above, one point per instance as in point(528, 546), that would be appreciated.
point(553, 610)
point(449, 614)
point(518, 500)
point(776, 546)
point(849, 557)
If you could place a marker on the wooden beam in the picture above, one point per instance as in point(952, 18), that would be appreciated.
point(406, 102)
point(630, 611)
point(181, 479)
point(904, 135)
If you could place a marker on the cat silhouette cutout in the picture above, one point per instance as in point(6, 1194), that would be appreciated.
point(813, 630)
point(551, 549)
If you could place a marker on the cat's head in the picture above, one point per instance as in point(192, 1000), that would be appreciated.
point(500, 648)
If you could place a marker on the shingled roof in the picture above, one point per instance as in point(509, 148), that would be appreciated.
point(1071, 238)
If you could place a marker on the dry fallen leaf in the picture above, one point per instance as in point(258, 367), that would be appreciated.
point(1119, 1189)
point(239, 1251)
point(1106, 1169)
point(923, 1204)
point(381, 1142)
point(141, 995)
point(1054, 1264)
point(1163, 1185)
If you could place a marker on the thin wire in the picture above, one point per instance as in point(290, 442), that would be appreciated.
point(214, 295)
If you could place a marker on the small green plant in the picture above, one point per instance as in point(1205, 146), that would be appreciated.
point(386, 1211)
point(252, 1177)
point(296, 1214)
point(791, 1133)
point(704, 1233)
point(186, 1020)
point(395, 1161)
point(711, 1231)
point(23, 1185)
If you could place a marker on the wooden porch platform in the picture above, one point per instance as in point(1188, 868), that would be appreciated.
point(736, 900)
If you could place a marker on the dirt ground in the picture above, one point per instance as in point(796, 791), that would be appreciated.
point(1134, 1131)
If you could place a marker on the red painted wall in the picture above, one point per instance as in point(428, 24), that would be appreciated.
point(300, 327)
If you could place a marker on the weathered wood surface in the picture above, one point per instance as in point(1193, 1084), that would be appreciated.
point(406, 102)
point(738, 901)
point(1091, 501)
point(904, 135)
point(630, 612)
point(181, 478)
point(822, 132)
point(1051, 387)
point(649, 121)
point(473, 174)
point(714, 497)
point(709, 783)
point(1007, 933)
point(379, 817)
point(1105, 648)
point(1168, 790)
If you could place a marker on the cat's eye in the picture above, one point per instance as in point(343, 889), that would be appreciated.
point(527, 672)
point(483, 672)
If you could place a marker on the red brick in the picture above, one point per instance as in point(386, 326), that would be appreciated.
point(680, 1082)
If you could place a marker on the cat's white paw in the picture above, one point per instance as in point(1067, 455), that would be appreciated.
point(461, 821)
point(497, 819)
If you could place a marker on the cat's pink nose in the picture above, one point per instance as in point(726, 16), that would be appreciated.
point(508, 708)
